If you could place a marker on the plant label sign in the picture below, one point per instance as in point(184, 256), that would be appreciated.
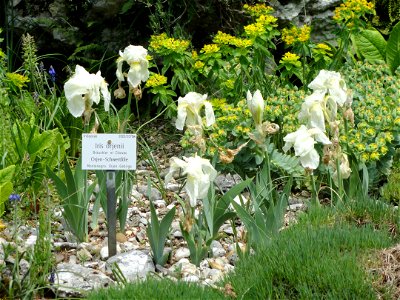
point(107, 151)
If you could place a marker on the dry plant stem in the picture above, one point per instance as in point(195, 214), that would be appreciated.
point(314, 194)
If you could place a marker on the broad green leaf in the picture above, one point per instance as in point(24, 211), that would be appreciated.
point(7, 174)
point(5, 192)
point(41, 142)
point(393, 49)
point(371, 45)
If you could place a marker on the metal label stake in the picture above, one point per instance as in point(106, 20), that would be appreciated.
point(111, 213)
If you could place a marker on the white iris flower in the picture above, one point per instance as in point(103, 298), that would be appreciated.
point(332, 83)
point(189, 110)
point(200, 174)
point(312, 110)
point(82, 89)
point(303, 141)
point(256, 106)
point(136, 58)
point(344, 169)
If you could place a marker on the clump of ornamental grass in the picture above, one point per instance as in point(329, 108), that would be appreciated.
point(310, 262)
point(156, 289)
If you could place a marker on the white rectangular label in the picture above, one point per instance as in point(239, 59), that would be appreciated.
point(107, 151)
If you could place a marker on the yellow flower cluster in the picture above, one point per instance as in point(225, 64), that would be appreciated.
point(230, 84)
point(218, 134)
point(290, 58)
point(163, 42)
point(323, 46)
point(242, 130)
point(296, 34)
point(218, 102)
point(258, 9)
point(198, 65)
point(255, 29)
point(222, 38)
point(263, 23)
point(228, 119)
point(322, 51)
point(304, 34)
point(17, 80)
point(210, 48)
point(352, 10)
point(267, 20)
point(156, 80)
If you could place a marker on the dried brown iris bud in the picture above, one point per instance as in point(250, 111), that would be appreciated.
point(119, 93)
point(228, 155)
point(349, 115)
point(270, 128)
point(95, 125)
point(137, 92)
point(327, 154)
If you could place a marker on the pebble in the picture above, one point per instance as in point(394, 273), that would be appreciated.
point(120, 237)
point(72, 259)
point(160, 203)
point(84, 255)
point(191, 278)
point(31, 240)
point(182, 253)
point(104, 252)
point(59, 257)
point(174, 187)
point(216, 249)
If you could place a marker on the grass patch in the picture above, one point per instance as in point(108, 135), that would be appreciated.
point(319, 258)
point(154, 288)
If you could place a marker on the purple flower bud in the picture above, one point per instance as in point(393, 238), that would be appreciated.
point(52, 277)
point(52, 73)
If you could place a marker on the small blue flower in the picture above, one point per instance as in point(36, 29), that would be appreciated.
point(52, 73)
point(14, 198)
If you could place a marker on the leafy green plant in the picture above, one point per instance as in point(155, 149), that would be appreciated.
point(264, 215)
point(75, 198)
point(195, 237)
point(215, 209)
point(157, 232)
point(374, 48)
point(200, 231)
point(33, 151)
